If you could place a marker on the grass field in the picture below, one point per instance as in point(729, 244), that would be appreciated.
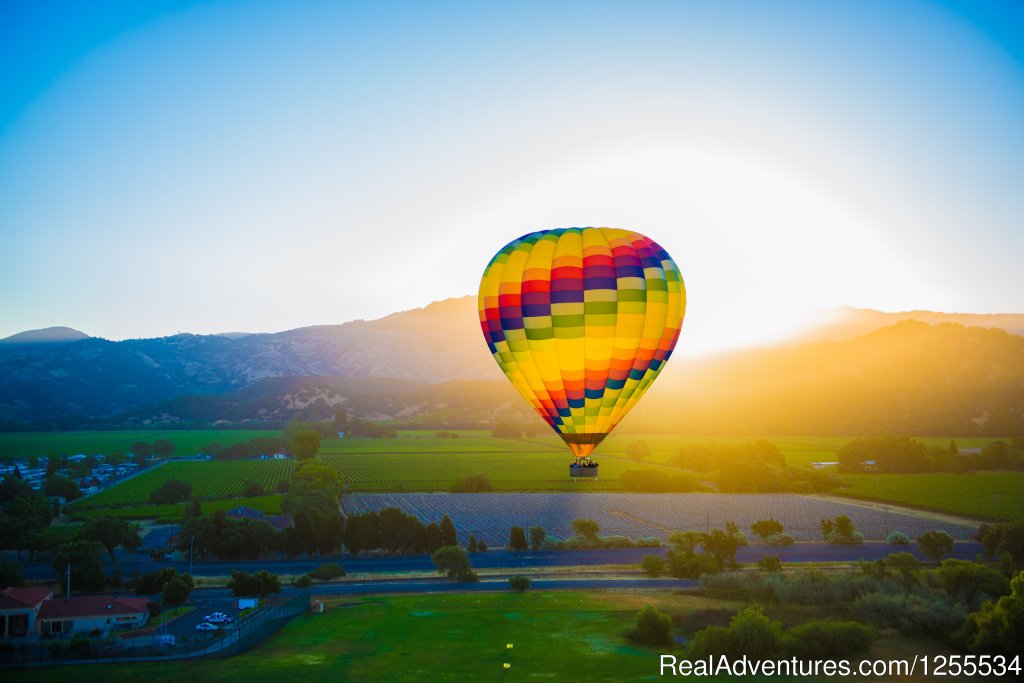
point(208, 478)
point(270, 505)
point(982, 495)
point(559, 636)
point(186, 442)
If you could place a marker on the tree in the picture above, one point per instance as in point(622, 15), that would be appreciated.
point(176, 591)
point(473, 483)
point(163, 448)
point(519, 583)
point(172, 491)
point(638, 450)
point(504, 430)
point(471, 546)
point(652, 628)
point(750, 633)
point(86, 567)
point(844, 526)
point(769, 564)
point(117, 458)
point(329, 571)
point(764, 528)
point(111, 532)
point(451, 560)
point(999, 627)
point(517, 539)
point(448, 536)
point(305, 443)
point(826, 528)
point(686, 541)
point(653, 565)
point(722, 546)
point(935, 544)
point(587, 528)
point(10, 573)
point(537, 536)
point(260, 584)
point(141, 449)
point(253, 489)
point(57, 485)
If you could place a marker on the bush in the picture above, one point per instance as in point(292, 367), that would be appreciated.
point(172, 491)
point(517, 539)
point(821, 639)
point(537, 537)
point(327, 572)
point(648, 542)
point(914, 614)
point(615, 542)
point(764, 528)
point(836, 538)
point(653, 565)
point(451, 560)
point(690, 565)
point(769, 564)
point(779, 539)
point(897, 538)
point(935, 544)
point(652, 628)
point(971, 582)
point(750, 633)
point(519, 583)
point(304, 581)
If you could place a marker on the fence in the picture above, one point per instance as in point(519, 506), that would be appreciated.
point(249, 630)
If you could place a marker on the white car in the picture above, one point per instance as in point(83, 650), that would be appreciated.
point(206, 626)
point(166, 639)
point(218, 618)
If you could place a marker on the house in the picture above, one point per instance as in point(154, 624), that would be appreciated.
point(88, 613)
point(18, 609)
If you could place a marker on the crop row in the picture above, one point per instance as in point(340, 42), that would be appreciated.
point(489, 516)
point(208, 478)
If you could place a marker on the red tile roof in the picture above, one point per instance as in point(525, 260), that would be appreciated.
point(90, 606)
point(21, 598)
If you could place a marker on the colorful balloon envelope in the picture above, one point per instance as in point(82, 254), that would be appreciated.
point(581, 321)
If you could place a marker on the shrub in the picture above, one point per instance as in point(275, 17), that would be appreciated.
point(253, 489)
point(764, 528)
point(648, 542)
point(519, 583)
point(537, 537)
point(327, 572)
point(615, 542)
point(451, 560)
point(779, 539)
point(304, 581)
point(749, 633)
point(653, 565)
point(821, 639)
point(971, 582)
point(769, 564)
point(652, 628)
point(897, 538)
point(836, 538)
point(690, 565)
point(517, 539)
point(913, 614)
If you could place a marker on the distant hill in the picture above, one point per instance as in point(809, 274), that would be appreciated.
point(847, 322)
point(45, 335)
point(429, 367)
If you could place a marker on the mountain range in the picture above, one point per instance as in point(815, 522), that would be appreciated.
point(862, 372)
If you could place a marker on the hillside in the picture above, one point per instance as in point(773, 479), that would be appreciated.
point(428, 367)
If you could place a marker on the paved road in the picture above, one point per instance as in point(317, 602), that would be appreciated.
point(502, 559)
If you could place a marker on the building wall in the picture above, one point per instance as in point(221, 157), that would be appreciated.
point(5, 620)
point(103, 622)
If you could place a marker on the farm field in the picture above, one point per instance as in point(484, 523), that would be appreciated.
point(564, 635)
point(983, 495)
point(488, 516)
point(270, 505)
point(187, 442)
point(208, 478)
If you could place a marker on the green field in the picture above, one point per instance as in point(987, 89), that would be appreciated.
point(270, 505)
point(186, 442)
point(208, 478)
point(982, 495)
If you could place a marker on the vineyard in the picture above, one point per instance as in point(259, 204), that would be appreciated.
point(208, 478)
point(489, 516)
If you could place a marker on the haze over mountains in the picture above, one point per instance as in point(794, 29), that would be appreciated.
point(430, 367)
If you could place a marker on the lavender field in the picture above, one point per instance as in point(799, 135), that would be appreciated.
point(489, 515)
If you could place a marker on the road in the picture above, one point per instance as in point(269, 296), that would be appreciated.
point(499, 559)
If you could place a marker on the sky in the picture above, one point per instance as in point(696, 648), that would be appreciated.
point(259, 166)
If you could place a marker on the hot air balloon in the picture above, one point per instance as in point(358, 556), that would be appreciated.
point(581, 321)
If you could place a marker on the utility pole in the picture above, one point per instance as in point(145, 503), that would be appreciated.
point(190, 542)
point(67, 583)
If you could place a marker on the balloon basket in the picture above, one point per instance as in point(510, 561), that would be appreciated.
point(583, 472)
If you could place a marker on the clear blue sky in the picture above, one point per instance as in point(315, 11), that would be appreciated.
point(260, 166)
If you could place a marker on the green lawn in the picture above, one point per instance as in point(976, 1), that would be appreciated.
point(562, 636)
point(983, 495)
point(270, 505)
point(186, 442)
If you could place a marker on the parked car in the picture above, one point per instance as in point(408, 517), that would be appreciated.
point(166, 639)
point(206, 626)
point(218, 618)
